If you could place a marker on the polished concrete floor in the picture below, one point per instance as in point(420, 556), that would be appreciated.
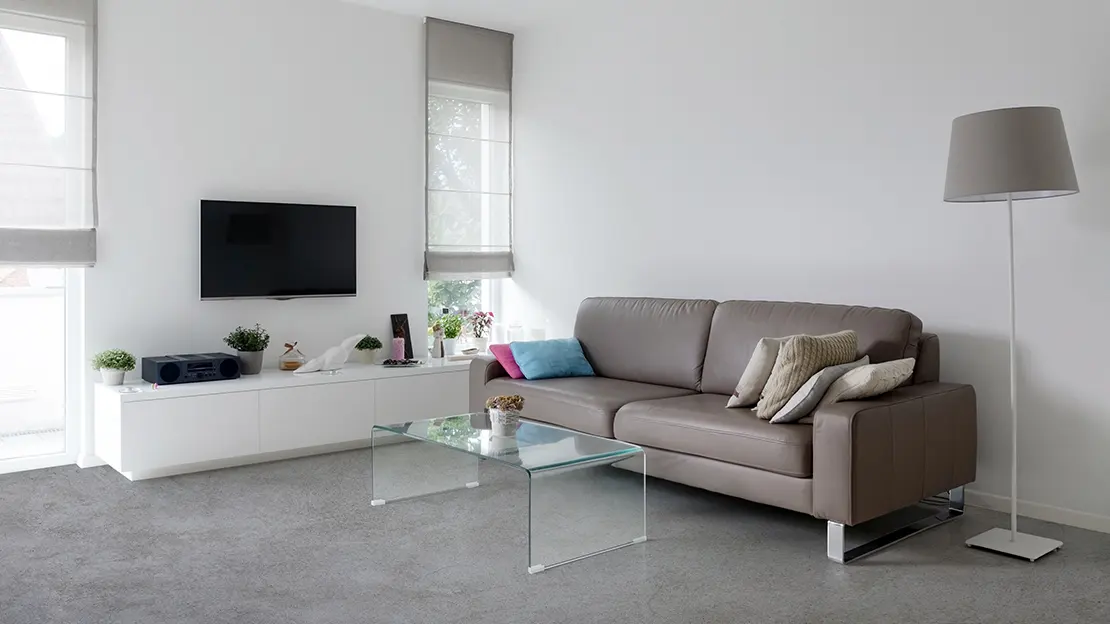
point(297, 541)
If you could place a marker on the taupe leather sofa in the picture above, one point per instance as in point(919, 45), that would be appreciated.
point(665, 369)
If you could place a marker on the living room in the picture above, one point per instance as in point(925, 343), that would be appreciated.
point(696, 151)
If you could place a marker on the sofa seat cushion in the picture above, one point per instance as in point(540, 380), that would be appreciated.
point(701, 425)
point(586, 404)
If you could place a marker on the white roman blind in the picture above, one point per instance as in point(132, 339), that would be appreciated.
point(468, 192)
point(47, 132)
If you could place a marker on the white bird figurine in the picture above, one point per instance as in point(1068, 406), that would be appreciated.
point(332, 359)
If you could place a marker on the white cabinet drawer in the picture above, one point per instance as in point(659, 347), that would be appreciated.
point(316, 415)
point(188, 430)
point(422, 396)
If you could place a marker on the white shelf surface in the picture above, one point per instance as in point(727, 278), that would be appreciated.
point(273, 378)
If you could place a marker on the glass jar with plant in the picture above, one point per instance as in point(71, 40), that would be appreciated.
point(113, 364)
point(249, 343)
point(480, 324)
point(504, 413)
point(367, 349)
point(452, 325)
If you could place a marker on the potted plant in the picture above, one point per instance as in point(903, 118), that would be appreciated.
point(452, 325)
point(249, 343)
point(367, 349)
point(504, 413)
point(113, 364)
point(480, 324)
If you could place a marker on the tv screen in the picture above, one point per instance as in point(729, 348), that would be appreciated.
point(276, 251)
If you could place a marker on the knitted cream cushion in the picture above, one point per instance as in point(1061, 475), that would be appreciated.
point(799, 359)
point(869, 381)
point(757, 373)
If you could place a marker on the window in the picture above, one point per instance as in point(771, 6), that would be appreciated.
point(47, 218)
point(468, 192)
point(468, 199)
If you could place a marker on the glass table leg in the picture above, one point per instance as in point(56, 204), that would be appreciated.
point(580, 511)
point(402, 467)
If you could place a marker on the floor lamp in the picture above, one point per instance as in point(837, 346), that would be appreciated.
point(1010, 154)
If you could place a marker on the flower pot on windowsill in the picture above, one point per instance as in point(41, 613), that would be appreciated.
point(449, 345)
point(112, 376)
point(250, 362)
point(367, 356)
point(482, 344)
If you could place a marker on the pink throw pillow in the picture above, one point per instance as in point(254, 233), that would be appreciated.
point(504, 355)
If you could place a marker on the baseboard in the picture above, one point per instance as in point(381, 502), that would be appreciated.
point(1049, 513)
point(89, 461)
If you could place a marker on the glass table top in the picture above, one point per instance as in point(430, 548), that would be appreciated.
point(535, 446)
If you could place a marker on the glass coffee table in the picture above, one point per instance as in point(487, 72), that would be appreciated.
point(578, 506)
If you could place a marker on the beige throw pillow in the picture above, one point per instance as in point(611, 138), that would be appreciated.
point(757, 372)
point(807, 397)
point(869, 381)
point(800, 357)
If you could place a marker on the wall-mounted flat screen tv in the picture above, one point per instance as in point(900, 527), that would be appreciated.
point(251, 250)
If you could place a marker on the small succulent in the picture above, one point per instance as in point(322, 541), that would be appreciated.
point(368, 343)
point(117, 359)
point(506, 403)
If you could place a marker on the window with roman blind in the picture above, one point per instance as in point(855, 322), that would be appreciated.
point(47, 132)
point(468, 192)
point(47, 224)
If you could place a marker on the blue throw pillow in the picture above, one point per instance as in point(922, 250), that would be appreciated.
point(546, 359)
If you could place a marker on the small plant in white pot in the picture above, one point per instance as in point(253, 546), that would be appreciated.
point(367, 349)
point(249, 343)
point(113, 364)
point(504, 413)
point(452, 325)
point(481, 324)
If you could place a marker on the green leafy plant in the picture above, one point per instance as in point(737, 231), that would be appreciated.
point(368, 343)
point(114, 358)
point(506, 403)
point(452, 325)
point(248, 339)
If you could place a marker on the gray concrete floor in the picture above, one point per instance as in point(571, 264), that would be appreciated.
point(297, 541)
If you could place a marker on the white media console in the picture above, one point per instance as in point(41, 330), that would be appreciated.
point(275, 415)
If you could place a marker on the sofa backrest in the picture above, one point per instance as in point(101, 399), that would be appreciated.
point(884, 334)
point(657, 341)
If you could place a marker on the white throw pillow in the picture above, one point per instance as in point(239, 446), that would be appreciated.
point(869, 381)
point(805, 400)
point(757, 373)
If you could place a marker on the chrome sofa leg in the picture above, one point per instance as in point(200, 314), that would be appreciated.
point(838, 552)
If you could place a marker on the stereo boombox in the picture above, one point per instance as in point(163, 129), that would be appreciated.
point(191, 367)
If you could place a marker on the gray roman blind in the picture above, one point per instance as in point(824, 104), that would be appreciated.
point(468, 189)
point(48, 132)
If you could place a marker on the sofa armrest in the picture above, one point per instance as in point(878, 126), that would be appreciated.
point(875, 456)
point(482, 369)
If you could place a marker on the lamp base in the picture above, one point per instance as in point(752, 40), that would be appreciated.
point(1023, 546)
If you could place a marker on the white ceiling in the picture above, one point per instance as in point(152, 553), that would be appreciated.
point(508, 15)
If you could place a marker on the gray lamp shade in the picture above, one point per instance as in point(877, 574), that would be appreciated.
point(1010, 152)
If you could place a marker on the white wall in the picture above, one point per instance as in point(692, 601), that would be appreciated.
point(269, 100)
point(797, 150)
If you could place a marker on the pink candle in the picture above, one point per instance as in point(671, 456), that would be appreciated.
point(398, 348)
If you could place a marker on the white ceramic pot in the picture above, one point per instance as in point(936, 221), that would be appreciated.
point(449, 345)
point(504, 423)
point(251, 362)
point(112, 376)
point(482, 344)
point(367, 356)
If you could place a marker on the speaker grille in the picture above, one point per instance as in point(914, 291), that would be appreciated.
point(169, 372)
point(229, 368)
